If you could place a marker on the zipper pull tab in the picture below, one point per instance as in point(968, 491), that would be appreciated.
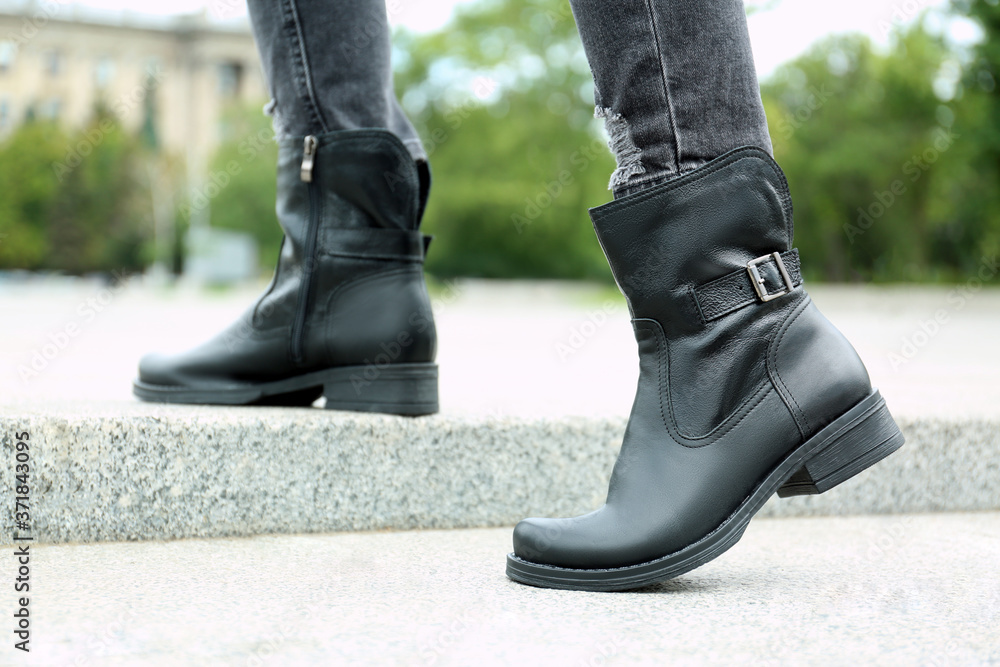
point(308, 155)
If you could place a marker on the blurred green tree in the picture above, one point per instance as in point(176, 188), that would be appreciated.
point(100, 218)
point(244, 169)
point(893, 169)
point(27, 190)
point(974, 188)
point(72, 202)
point(877, 151)
point(503, 100)
point(893, 157)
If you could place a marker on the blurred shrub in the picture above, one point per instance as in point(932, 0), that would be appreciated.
point(893, 158)
point(880, 153)
point(514, 171)
point(512, 195)
point(73, 202)
point(503, 100)
point(242, 179)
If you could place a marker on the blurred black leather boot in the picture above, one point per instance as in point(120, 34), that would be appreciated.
point(744, 388)
point(347, 314)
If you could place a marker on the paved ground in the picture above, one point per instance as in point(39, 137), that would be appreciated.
point(891, 590)
point(520, 349)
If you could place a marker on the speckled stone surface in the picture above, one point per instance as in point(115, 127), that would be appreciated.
point(130, 471)
point(880, 590)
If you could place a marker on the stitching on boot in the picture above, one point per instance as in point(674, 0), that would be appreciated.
point(627, 155)
point(339, 290)
point(798, 414)
point(663, 382)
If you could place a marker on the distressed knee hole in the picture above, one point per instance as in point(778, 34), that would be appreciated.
point(628, 157)
point(277, 121)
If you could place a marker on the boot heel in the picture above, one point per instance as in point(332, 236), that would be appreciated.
point(865, 441)
point(399, 389)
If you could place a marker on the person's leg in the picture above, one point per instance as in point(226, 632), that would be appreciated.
point(744, 388)
point(674, 82)
point(347, 315)
point(328, 67)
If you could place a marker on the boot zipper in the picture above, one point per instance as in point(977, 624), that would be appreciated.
point(309, 254)
point(308, 154)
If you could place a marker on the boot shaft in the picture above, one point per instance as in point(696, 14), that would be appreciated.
point(706, 266)
point(666, 243)
point(358, 179)
point(349, 277)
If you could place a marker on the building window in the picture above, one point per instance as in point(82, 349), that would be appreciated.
point(230, 80)
point(7, 52)
point(104, 72)
point(53, 62)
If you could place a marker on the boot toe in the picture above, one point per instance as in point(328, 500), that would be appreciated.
point(160, 370)
point(599, 540)
point(556, 542)
point(529, 540)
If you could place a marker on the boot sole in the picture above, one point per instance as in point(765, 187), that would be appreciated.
point(399, 389)
point(861, 437)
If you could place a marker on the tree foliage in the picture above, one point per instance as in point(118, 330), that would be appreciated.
point(879, 150)
point(240, 189)
point(892, 156)
point(503, 100)
point(73, 202)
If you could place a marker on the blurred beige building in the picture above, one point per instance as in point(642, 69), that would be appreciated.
point(59, 61)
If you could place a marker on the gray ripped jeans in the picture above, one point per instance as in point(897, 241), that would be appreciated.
point(674, 79)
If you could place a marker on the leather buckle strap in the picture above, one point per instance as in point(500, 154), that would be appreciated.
point(765, 278)
point(758, 282)
point(375, 243)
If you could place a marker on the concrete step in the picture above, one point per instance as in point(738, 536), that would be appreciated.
point(130, 471)
point(887, 590)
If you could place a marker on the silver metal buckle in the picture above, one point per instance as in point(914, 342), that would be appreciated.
point(758, 281)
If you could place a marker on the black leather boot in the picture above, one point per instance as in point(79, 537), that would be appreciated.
point(744, 388)
point(347, 314)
